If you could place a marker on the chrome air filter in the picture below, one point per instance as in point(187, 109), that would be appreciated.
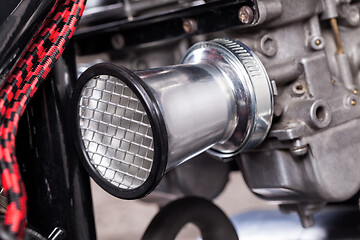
point(132, 127)
point(115, 131)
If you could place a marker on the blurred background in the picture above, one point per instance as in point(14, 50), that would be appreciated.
point(128, 219)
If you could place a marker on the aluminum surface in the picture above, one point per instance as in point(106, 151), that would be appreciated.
point(219, 97)
point(197, 108)
point(251, 88)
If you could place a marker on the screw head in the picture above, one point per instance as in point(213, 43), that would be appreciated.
point(355, 91)
point(190, 25)
point(299, 151)
point(246, 15)
point(353, 102)
point(317, 43)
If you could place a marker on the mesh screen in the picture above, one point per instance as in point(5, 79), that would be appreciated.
point(116, 132)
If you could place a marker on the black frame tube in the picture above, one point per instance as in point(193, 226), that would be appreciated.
point(57, 185)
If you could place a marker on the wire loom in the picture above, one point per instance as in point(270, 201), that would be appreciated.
point(34, 66)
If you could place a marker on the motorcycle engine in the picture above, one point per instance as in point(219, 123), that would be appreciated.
point(311, 52)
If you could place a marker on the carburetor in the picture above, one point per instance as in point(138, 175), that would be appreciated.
point(311, 52)
point(310, 155)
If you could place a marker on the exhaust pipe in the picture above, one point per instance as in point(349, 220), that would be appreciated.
point(133, 126)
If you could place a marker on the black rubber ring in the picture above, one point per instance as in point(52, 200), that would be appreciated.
point(155, 116)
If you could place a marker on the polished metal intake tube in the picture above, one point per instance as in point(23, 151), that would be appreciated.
point(135, 126)
point(197, 106)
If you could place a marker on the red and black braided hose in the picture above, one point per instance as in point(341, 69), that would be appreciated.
point(41, 55)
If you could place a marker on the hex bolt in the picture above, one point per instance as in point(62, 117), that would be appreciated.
point(190, 25)
point(246, 15)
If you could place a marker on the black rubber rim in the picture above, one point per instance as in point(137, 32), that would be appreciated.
point(156, 121)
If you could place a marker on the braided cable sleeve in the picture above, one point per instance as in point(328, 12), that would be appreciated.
point(26, 62)
point(30, 71)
